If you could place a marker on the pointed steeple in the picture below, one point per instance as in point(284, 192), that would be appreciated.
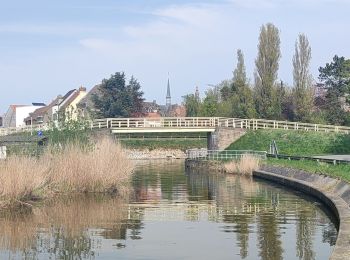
point(197, 94)
point(168, 96)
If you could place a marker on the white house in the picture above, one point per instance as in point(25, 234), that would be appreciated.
point(16, 114)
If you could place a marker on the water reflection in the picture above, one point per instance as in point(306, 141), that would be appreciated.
point(174, 215)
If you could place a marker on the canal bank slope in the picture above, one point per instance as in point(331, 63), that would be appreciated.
point(332, 192)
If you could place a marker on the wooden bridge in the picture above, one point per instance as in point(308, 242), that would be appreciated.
point(187, 124)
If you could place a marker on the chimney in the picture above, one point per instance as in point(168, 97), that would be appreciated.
point(83, 89)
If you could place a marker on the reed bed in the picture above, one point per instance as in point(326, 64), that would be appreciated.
point(245, 165)
point(102, 168)
point(22, 179)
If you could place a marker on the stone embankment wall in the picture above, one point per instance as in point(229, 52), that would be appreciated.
point(223, 137)
point(144, 154)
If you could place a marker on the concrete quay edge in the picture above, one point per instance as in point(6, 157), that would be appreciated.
point(331, 195)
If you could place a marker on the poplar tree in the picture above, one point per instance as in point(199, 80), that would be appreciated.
point(242, 98)
point(302, 89)
point(267, 65)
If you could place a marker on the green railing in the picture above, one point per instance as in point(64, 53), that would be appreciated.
point(223, 155)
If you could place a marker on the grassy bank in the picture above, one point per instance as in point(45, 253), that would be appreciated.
point(102, 167)
point(152, 141)
point(294, 142)
point(341, 171)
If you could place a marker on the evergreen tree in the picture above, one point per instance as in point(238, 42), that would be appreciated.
point(302, 92)
point(336, 77)
point(116, 99)
point(267, 64)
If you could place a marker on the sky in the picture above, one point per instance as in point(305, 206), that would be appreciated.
point(50, 47)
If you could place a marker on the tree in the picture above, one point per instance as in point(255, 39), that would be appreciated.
point(336, 77)
point(192, 104)
point(302, 92)
point(210, 105)
point(116, 99)
point(242, 98)
point(267, 64)
point(136, 97)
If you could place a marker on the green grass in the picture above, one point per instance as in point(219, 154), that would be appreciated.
point(341, 171)
point(294, 142)
point(181, 144)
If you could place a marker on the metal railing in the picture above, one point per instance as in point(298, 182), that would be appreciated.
point(222, 155)
point(192, 122)
point(308, 158)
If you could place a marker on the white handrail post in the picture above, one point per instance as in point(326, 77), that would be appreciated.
point(128, 122)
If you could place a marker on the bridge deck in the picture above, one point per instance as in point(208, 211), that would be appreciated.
point(162, 130)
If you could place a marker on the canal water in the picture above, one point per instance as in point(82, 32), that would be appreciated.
point(174, 215)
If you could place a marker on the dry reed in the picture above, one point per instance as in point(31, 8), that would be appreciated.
point(245, 166)
point(102, 168)
point(22, 179)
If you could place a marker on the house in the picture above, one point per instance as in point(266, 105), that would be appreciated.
point(42, 115)
point(68, 105)
point(86, 105)
point(151, 109)
point(62, 106)
point(16, 114)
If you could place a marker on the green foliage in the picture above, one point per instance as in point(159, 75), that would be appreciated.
point(338, 171)
point(209, 106)
point(192, 104)
point(118, 99)
point(336, 76)
point(267, 64)
point(294, 142)
point(67, 131)
point(302, 91)
point(181, 144)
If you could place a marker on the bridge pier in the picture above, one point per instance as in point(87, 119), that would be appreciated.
point(212, 140)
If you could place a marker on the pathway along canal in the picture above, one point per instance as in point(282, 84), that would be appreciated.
point(172, 215)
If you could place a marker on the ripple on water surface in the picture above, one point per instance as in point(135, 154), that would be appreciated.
point(173, 215)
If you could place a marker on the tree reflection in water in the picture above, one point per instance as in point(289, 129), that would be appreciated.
point(257, 215)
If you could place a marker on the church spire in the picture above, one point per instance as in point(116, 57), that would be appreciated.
point(196, 94)
point(168, 96)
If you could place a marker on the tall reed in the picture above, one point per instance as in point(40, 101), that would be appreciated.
point(102, 168)
point(22, 179)
point(245, 165)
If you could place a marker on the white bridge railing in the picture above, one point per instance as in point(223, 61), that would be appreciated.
point(203, 154)
point(212, 122)
point(192, 122)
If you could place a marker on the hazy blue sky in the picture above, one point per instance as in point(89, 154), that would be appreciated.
point(49, 47)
